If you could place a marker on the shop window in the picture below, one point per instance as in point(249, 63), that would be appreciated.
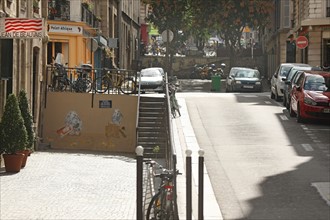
point(53, 48)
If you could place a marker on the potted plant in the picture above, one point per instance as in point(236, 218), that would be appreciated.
point(28, 122)
point(13, 135)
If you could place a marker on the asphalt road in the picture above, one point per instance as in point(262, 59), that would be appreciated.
point(262, 163)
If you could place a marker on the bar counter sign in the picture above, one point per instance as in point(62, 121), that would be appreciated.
point(21, 28)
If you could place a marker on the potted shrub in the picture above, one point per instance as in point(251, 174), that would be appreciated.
point(28, 122)
point(13, 135)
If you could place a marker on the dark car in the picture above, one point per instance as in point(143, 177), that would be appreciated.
point(292, 74)
point(242, 79)
point(310, 97)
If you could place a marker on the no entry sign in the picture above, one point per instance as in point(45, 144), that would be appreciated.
point(302, 42)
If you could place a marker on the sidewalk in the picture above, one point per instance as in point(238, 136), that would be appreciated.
point(184, 138)
point(58, 185)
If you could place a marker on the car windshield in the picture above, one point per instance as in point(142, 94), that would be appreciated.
point(293, 70)
point(285, 70)
point(247, 74)
point(150, 73)
point(317, 83)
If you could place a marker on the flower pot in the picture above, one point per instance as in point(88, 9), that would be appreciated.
point(13, 162)
point(26, 154)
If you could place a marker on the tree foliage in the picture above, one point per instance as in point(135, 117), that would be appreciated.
point(201, 18)
point(12, 129)
point(28, 119)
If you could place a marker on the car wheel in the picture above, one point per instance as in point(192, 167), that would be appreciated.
point(284, 101)
point(299, 118)
point(272, 96)
point(288, 104)
point(277, 98)
point(292, 113)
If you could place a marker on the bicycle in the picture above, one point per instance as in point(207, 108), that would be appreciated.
point(60, 80)
point(114, 81)
point(162, 203)
point(175, 107)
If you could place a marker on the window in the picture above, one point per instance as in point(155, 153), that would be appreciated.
point(57, 47)
point(328, 9)
point(286, 14)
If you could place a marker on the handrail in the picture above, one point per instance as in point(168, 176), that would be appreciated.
point(171, 151)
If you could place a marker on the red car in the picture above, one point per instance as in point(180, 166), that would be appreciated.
point(310, 96)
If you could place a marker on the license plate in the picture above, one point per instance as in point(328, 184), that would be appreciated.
point(326, 110)
point(248, 87)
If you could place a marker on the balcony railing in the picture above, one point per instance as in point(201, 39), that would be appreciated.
point(59, 10)
point(88, 17)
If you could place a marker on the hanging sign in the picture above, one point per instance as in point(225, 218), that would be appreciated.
point(21, 28)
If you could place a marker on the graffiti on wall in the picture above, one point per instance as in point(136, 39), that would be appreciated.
point(72, 125)
point(115, 129)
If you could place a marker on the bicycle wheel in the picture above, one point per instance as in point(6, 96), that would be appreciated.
point(88, 83)
point(101, 84)
point(127, 86)
point(154, 207)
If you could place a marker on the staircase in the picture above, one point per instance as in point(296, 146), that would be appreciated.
point(152, 126)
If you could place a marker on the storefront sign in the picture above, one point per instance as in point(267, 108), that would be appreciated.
point(22, 28)
point(59, 28)
point(103, 41)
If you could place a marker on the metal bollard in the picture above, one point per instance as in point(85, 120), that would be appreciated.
point(201, 185)
point(139, 182)
point(188, 185)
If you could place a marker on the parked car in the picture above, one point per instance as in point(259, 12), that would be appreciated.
point(293, 72)
point(243, 79)
point(277, 80)
point(310, 98)
point(151, 79)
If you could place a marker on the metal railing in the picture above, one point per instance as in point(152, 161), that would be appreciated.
point(71, 75)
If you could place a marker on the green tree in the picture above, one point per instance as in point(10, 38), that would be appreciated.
point(12, 129)
point(28, 119)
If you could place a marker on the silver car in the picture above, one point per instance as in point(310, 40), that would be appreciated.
point(151, 79)
point(278, 78)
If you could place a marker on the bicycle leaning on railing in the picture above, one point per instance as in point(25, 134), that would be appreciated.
point(162, 203)
point(114, 80)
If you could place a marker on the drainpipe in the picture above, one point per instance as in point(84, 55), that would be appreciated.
point(120, 37)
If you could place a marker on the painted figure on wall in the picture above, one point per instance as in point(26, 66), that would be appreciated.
point(115, 129)
point(73, 125)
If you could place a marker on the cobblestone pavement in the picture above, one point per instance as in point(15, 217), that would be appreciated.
point(64, 185)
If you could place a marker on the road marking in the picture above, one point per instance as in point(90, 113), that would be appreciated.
point(307, 147)
point(324, 189)
point(284, 118)
point(268, 102)
point(304, 127)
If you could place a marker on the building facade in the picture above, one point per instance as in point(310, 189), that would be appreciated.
point(102, 33)
point(294, 18)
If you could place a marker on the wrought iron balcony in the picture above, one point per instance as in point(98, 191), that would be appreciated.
point(59, 10)
point(88, 17)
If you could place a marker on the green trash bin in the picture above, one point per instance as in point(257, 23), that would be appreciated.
point(215, 83)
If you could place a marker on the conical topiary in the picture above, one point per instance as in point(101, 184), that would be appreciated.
point(12, 129)
point(27, 117)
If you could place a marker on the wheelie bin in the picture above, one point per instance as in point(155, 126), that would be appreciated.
point(215, 83)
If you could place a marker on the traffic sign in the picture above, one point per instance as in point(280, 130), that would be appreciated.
point(170, 35)
point(302, 42)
